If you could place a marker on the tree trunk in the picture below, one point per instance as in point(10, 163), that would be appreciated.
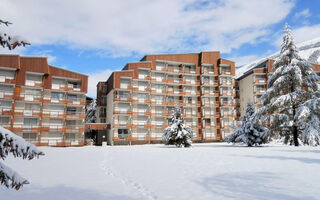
point(295, 128)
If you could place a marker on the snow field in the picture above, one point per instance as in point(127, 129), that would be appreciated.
point(205, 171)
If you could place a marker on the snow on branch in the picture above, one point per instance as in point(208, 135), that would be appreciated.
point(10, 42)
point(10, 143)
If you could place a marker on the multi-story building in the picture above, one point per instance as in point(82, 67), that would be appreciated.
point(253, 83)
point(42, 103)
point(137, 100)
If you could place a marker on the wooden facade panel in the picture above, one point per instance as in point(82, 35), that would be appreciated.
point(54, 71)
point(231, 63)
point(119, 74)
point(10, 61)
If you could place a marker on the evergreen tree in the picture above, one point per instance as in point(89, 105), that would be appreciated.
point(177, 133)
point(10, 143)
point(293, 83)
point(250, 132)
point(7, 41)
point(91, 111)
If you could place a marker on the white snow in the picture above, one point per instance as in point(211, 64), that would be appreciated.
point(306, 49)
point(205, 171)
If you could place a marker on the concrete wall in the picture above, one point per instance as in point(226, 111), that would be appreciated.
point(246, 92)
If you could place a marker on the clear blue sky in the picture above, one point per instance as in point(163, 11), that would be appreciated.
point(96, 37)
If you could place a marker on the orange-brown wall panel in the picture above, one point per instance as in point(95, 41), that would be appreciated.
point(117, 76)
point(231, 63)
point(54, 71)
point(10, 61)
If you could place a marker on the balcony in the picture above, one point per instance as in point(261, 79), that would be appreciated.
point(54, 100)
point(192, 82)
point(29, 97)
point(26, 128)
point(6, 94)
point(123, 98)
point(122, 125)
point(27, 113)
point(53, 127)
point(211, 93)
point(158, 91)
point(33, 83)
point(122, 111)
point(194, 103)
point(7, 79)
point(5, 110)
point(75, 115)
point(53, 114)
point(75, 128)
point(175, 81)
point(76, 101)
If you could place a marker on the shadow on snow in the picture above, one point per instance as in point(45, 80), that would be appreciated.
point(246, 185)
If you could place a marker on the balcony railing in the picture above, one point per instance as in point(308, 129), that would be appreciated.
point(61, 142)
point(34, 83)
point(53, 127)
point(5, 110)
point(122, 111)
point(26, 128)
point(48, 99)
point(75, 115)
point(78, 101)
point(4, 79)
point(29, 97)
point(6, 94)
point(75, 128)
point(24, 112)
point(53, 114)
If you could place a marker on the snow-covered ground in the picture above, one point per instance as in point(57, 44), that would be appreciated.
point(206, 171)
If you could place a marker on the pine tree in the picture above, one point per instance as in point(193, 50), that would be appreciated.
point(7, 41)
point(250, 132)
point(9, 142)
point(177, 133)
point(91, 111)
point(292, 83)
point(18, 147)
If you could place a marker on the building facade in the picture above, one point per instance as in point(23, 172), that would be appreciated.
point(253, 83)
point(137, 101)
point(41, 103)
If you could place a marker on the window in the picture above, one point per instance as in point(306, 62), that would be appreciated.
point(30, 121)
point(72, 97)
point(29, 106)
point(170, 99)
point(57, 95)
point(4, 120)
point(206, 79)
point(122, 133)
point(33, 92)
point(30, 136)
point(189, 100)
point(71, 110)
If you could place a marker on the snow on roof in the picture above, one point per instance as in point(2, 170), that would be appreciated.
point(309, 50)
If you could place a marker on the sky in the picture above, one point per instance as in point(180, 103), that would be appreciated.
point(97, 37)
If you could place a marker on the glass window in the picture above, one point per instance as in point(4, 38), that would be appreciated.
point(57, 95)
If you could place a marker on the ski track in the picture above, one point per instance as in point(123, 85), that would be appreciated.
point(127, 182)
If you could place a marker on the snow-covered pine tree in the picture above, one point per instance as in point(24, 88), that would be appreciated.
point(10, 143)
point(250, 132)
point(7, 41)
point(293, 83)
point(178, 133)
point(91, 111)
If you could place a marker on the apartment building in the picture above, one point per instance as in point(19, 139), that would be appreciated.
point(253, 83)
point(41, 103)
point(137, 101)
